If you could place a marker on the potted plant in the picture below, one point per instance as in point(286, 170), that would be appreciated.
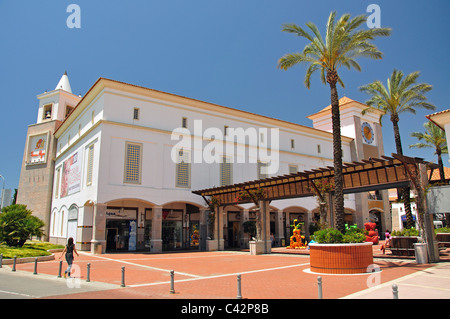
point(334, 252)
point(402, 241)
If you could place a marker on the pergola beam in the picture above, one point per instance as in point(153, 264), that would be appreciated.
point(366, 175)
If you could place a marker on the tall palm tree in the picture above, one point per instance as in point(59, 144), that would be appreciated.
point(434, 137)
point(402, 94)
point(344, 42)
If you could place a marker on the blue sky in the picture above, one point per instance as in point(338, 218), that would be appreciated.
point(224, 52)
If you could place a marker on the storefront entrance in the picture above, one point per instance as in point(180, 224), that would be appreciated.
point(171, 235)
point(117, 235)
point(121, 229)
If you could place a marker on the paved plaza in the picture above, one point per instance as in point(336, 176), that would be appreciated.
point(213, 275)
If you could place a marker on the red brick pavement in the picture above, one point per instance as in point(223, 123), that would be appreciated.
point(211, 275)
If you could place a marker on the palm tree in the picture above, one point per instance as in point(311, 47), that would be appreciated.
point(403, 94)
point(344, 42)
point(434, 137)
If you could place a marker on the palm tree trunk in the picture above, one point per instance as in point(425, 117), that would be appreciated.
point(337, 153)
point(441, 166)
point(404, 192)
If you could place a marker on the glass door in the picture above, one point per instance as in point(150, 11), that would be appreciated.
point(171, 235)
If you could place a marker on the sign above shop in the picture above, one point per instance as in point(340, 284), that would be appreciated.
point(120, 213)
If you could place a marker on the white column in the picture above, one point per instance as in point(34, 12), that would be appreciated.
point(156, 241)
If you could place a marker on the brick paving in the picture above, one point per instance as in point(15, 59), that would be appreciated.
point(213, 275)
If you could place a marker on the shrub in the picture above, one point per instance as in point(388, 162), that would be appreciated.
point(354, 235)
point(406, 232)
point(328, 236)
point(334, 236)
point(17, 225)
point(442, 230)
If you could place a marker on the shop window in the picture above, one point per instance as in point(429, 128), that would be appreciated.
point(133, 154)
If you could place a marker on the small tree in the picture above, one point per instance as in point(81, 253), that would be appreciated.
point(17, 225)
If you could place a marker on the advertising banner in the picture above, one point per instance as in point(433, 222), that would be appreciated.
point(37, 149)
point(71, 178)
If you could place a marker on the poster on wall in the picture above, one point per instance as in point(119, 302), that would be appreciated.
point(132, 238)
point(71, 178)
point(37, 149)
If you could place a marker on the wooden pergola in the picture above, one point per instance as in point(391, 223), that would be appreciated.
point(367, 175)
point(386, 172)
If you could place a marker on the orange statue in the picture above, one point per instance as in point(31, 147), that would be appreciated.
point(372, 233)
point(296, 238)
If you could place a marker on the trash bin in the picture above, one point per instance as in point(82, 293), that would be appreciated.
point(283, 242)
point(421, 253)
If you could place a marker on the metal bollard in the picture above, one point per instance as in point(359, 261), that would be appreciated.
point(35, 266)
point(123, 277)
point(88, 276)
point(1, 260)
point(60, 269)
point(239, 293)
point(14, 263)
point(395, 291)
point(319, 284)
point(172, 283)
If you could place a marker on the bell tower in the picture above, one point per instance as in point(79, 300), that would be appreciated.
point(36, 176)
point(367, 143)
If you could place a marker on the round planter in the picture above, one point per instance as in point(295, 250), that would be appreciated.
point(341, 258)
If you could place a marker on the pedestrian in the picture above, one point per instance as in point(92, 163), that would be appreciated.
point(387, 242)
point(272, 239)
point(69, 250)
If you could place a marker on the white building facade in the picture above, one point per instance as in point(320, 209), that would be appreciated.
point(123, 179)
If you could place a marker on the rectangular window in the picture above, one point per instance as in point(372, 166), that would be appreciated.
point(225, 130)
point(183, 168)
point(226, 173)
point(133, 154)
point(69, 110)
point(58, 177)
point(47, 115)
point(136, 114)
point(292, 144)
point(293, 169)
point(90, 165)
point(262, 170)
point(318, 148)
point(184, 122)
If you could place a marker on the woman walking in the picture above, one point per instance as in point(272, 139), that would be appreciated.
point(69, 250)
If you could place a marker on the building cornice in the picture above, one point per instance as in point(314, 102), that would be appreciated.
point(103, 83)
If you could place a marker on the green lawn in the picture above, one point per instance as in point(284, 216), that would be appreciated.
point(30, 249)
